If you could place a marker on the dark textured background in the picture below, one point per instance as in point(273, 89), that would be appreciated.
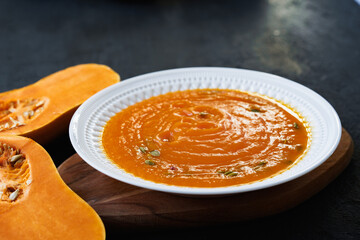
point(315, 43)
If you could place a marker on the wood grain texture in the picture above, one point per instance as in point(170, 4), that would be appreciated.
point(129, 206)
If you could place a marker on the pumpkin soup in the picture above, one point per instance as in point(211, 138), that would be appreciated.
point(206, 138)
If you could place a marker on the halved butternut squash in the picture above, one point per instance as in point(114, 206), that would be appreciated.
point(43, 110)
point(35, 203)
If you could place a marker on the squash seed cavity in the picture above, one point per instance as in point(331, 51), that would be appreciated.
point(14, 173)
point(17, 113)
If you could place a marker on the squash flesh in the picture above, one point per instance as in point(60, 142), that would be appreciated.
point(47, 208)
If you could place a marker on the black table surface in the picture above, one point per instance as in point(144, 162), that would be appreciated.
point(315, 43)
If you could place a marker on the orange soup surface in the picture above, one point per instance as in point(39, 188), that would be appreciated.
point(206, 138)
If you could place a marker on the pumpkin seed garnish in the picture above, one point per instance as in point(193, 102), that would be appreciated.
point(299, 147)
point(254, 109)
point(203, 114)
point(296, 126)
point(143, 149)
point(230, 173)
point(15, 158)
point(233, 174)
point(14, 195)
point(149, 162)
point(155, 153)
point(261, 164)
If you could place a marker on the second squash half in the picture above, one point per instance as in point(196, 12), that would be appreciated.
point(43, 110)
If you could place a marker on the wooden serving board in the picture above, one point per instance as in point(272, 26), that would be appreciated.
point(129, 206)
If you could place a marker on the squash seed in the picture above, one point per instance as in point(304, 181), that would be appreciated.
point(18, 163)
point(28, 182)
point(15, 158)
point(13, 120)
point(14, 195)
point(39, 104)
point(20, 118)
point(288, 161)
point(155, 153)
point(20, 124)
point(299, 147)
point(261, 164)
point(143, 149)
point(231, 174)
point(203, 114)
point(149, 162)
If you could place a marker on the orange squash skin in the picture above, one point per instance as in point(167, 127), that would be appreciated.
point(46, 208)
point(63, 92)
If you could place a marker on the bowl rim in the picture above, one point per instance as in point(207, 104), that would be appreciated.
point(200, 191)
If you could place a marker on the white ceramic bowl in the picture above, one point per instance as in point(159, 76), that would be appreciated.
point(88, 121)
